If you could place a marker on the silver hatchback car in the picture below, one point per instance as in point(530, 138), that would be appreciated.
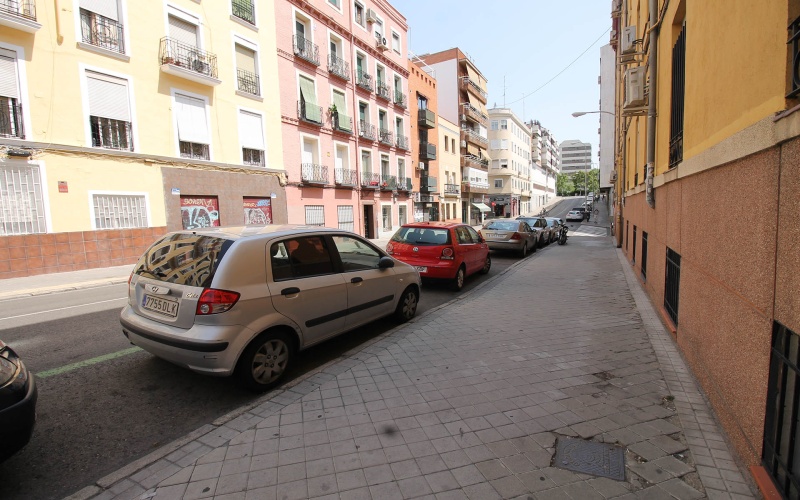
point(244, 300)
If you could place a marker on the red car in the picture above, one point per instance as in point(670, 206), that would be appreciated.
point(442, 250)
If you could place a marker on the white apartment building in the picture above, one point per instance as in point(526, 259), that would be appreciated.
point(509, 171)
point(545, 165)
point(576, 156)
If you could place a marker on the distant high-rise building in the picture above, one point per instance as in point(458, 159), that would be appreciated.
point(576, 156)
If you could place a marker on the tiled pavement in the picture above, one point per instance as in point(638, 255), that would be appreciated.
point(469, 400)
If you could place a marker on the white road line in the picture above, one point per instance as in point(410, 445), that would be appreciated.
point(62, 309)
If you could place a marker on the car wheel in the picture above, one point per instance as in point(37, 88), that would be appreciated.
point(487, 265)
point(524, 250)
point(458, 281)
point(265, 361)
point(407, 307)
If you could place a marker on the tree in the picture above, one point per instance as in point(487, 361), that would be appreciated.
point(564, 185)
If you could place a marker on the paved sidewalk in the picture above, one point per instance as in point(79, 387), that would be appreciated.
point(471, 400)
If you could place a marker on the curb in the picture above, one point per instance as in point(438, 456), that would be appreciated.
point(33, 292)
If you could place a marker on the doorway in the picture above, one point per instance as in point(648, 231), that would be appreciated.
point(369, 222)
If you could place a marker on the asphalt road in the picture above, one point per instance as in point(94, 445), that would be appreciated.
point(103, 404)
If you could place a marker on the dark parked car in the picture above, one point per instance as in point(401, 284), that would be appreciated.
point(18, 395)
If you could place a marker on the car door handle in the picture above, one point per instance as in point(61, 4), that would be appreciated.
point(290, 291)
point(357, 279)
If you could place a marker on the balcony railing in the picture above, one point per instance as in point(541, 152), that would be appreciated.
point(370, 180)
point(474, 187)
point(312, 173)
point(244, 10)
point(366, 131)
point(402, 142)
point(472, 112)
point(364, 80)
point(342, 123)
point(427, 184)
point(388, 182)
point(382, 90)
point(345, 177)
point(474, 137)
point(467, 84)
point(11, 124)
point(306, 49)
point(310, 113)
point(248, 82)
point(426, 118)
point(474, 162)
point(427, 151)
point(100, 31)
point(339, 67)
point(404, 184)
point(21, 8)
point(400, 98)
point(452, 189)
point(386, 136)
point(189, 57)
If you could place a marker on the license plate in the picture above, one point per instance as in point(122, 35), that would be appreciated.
point(161, 306)
point(492, 235)
point(421, 269)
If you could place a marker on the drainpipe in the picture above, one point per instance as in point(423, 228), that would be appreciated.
point(59, 36)
point(652, 60)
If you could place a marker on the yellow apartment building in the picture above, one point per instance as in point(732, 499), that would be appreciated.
point(706, 200)
point(121, 120)
point(449, 171)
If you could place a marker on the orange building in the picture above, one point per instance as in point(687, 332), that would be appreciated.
point(424, 141)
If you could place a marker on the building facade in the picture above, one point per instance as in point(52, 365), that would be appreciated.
point(449, 171)
point(116, 128)
point(607, 105)
point(545, 164)
point(706, 180)
point(424, 142)
point(343, 74)
point(576, 156)
point(510, 179)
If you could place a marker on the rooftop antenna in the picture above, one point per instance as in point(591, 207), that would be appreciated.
point(504, 91)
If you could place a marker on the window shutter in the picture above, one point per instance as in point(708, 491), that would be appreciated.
point(307, 89)
point(339, 101)
point(182, 31)
point(8, 74)
point(108, 96)
point(106, 8)
point(245, 59)
point(191, 116)
point(251, 130)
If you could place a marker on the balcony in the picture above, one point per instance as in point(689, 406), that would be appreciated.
point(382, 90)
point(244, 10)
point(388, 182)
point(306, 49)
point(342, 123)
point(364, 81)
point(366, 131)
point(473, 161)
point(11, 124)
point(400, 99)
point(474, 187)
point(339, 67)
point(426, 118)
point(402, 142)
point(474, 113)
point(465, 83)
point(102, 32)
point(404, 184)
point(474, 138)
point(309, 113)
point(452, 190)
point(188, 61)
point(314, 174)
point(248, 82)
point(427, 184)
point(370, 180)
point(427, 151)
point(345, 177)
point(19, 15)
point(386, 137)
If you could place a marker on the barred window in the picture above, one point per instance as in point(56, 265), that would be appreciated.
point(119, 211)
point(111, 134)
point(194, 150)
point(253, 157)
point(21, 201)
point(315, 215)
point(345, 215)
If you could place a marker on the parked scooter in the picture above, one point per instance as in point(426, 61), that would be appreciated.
point(562, 235)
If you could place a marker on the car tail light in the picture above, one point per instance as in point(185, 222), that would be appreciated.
point(214, 301)
point(447, 253)
point(515, 236)
point(389, 248)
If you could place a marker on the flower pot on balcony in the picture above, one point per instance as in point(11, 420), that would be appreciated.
point(168, 60)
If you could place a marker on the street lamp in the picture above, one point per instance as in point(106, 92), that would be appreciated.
point(581, 113)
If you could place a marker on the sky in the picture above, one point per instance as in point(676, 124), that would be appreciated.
point(524, 43)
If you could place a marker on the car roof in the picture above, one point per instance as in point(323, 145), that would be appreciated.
point(268, 231)
point(435, 224)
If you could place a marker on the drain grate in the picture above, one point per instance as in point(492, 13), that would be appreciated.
point(589, 457)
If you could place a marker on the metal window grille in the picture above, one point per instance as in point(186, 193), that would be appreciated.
point(794, 55)
point(672, 284)
point(254, 157)
point(346, 219)
point(676, 106)
point(194, 151)
point(315, 215)
point(780, 422)
point(243, 9)
point(21, 201)
point(248, 82)
point(627, 232)
point(111, 134)
point(11, 118)
point(119, 211)
point(24, 8)
point(644, 255)
point(102, 32)
point(634, 243)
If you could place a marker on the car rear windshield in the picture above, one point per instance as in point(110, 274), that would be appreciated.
point(186, 259)
point(422, 236)
point(503, 225)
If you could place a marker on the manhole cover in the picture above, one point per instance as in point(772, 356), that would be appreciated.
point(589, 457)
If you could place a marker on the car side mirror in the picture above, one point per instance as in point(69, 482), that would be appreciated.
point(385, 262)
point(480, 239)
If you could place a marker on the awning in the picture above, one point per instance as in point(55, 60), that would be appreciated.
point(470, 99)
point(473, 150)
point(482, 207)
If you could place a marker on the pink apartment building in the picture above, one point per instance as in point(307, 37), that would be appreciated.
point(343, 81)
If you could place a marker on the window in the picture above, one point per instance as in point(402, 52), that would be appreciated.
point(300, 257)
point(246, 72)
point(251, 135)
point(315, 215)
point(335, 3)
point(309, 110)
point(358, 13)
point(676, 104)
point(498, 183)
point(244, 10)
point(21, 200)
point(11, 124)
point(101, 25)
point(446, 144)
point(109, 112)
point(386, 217)
point(672, 284)
point(503, 163)
point(345, 216)
point(634, 243)
point(504, 124)
point(119, 211)
point(355, 254)
point(395, 42)
point(422, 102)
point(494, 124)
point(644, 255)
point(340, 117)
point(193, 135)
point(366, 161)
point(183, 33)
point(401, 169)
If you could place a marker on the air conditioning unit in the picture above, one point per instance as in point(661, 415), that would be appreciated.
point(420, 165)
point(629, 39)
point(372, 16)
point(634, 87)
point(613, 177)
point(463, 144)
point(380, 42)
